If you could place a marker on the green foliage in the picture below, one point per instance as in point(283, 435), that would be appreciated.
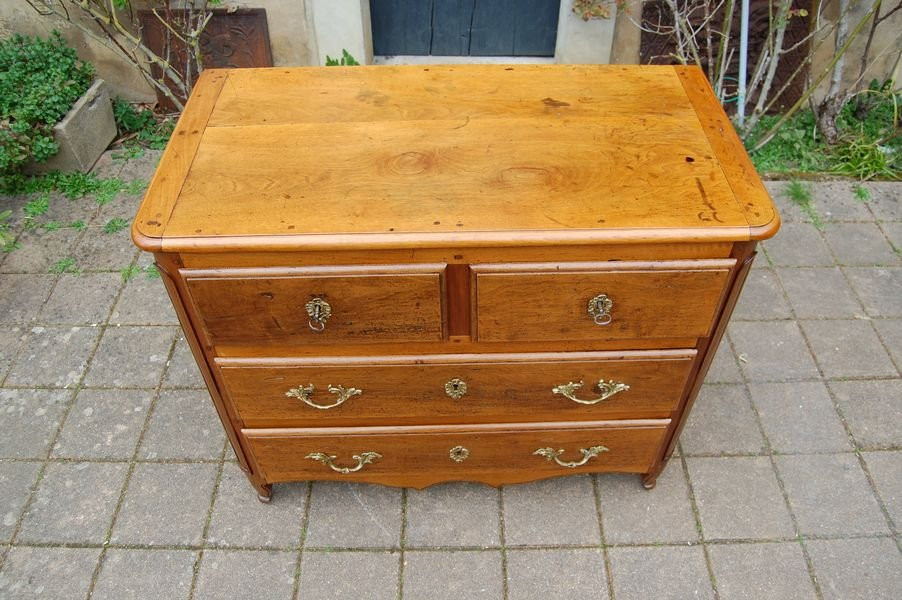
point(114, 225)
point(40, 80)
point(862, 194)
point(37, 206)
point(135, 187)
point(346, 60)
point(129, 272)
point(108, 189)
point(870, 146)
point(863, 159)
point(130, 120)
point(873, 113)
point(800, 194)
point(78, 225)
point(51, 226)
point(7, 239)
point(132, 271)
point(142, 125)
point(65, 265)
point(128, 152)
point(74, 186)
point(795, 148)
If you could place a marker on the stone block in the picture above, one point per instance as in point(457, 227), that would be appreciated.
point(84, 133)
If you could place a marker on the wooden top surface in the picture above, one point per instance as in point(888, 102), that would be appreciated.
point(370, 157)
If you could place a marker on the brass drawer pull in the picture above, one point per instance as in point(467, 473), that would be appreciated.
point(304, 393)
point(606, 388)
point(600, 309)
point(362, 459)
point(588, 453)
point(319, 312)
point(456, 388)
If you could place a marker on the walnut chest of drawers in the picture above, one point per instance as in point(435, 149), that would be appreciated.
point(408, 275)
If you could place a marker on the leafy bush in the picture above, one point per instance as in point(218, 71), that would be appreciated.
point(870, 144)
point(40, 80)
point(142, 125)
point(130, 120)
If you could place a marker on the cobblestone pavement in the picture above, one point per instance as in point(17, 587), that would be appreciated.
point(116, 482)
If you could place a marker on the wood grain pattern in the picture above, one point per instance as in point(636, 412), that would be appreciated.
point(457, 279)
point(163, 191)
point(443, 178)
point(530, 302)
point(456, 255)
point(454, 156)
point(447, 92)
point(419, 456)
point(252, 306)
point(747, 188)
point(409, 390)
point(452, 344)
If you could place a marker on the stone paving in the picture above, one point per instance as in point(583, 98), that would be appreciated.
point(116, 481)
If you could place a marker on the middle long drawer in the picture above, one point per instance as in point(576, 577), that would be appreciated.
point(461, 388)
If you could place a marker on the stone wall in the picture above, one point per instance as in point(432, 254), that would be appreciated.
point(289, 34)
point(884, 49)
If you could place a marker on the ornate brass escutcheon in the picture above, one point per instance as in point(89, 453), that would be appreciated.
point(600, 309)
point(364, 458)
point(606, 388)
point(319, 312)
point(304, 393)
point(456, 388)
point(458, 454)
point(588, 453)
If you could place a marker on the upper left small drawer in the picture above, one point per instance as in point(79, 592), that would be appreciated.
point(319, 305)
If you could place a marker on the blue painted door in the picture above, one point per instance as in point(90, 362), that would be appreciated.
point(465, 27)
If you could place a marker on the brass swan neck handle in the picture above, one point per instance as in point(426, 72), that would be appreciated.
point(304, 393)
point(588, 454)
point(606, 388)
point(364, 458)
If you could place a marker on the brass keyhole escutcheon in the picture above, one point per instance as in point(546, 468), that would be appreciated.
point(456, 388)
point(600, 309)
point(319, 312)
point(458, 454)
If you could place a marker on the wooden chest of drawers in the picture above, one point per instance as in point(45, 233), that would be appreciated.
point(408, 275)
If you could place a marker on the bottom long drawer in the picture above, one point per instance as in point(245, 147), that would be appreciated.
point(419, 456)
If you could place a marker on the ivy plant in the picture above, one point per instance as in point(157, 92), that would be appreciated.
point(40, 80)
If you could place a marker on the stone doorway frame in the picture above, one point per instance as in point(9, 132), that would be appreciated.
point(345, 24)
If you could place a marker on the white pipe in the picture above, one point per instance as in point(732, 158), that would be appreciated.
point(743, 61)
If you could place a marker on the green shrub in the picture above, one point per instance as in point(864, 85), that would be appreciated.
point(40, 80)
point(142, 124)
point(870, 143)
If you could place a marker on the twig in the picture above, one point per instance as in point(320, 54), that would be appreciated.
point(811, 88)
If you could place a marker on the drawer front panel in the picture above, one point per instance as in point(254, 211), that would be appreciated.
point(421, 456)
point(348, 304)
point(539, 302)
point(456, 389)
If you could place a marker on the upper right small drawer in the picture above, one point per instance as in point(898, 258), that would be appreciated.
point(597, 300)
